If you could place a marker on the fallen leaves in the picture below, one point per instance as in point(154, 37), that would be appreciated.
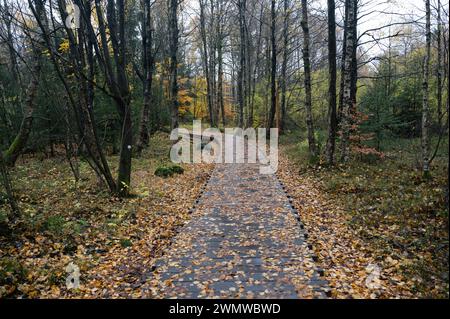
point(243, 242)
point(372, 241)
point(112, 240)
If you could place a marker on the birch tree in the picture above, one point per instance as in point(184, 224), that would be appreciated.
point(347, 101)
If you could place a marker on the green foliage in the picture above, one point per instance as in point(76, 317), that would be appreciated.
point(125, 242)
point(54, 224)
point(393, 99)
point(177, 169)
point(163, 171)
point(167, 171)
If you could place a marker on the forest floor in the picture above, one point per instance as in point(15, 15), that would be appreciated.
point(378, 228)
point(113, 241)
point(374, 216)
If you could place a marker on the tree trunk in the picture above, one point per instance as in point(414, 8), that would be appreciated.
point(220, 101)
point(273, 66)
point(148, 64)
point(248, 76)
point(347, 101)
point(284, 65)
point(342, 65)
point(439, 64)
point(241, 72)
point(173, 68)
point(206, 62)
point(256, 65)
point(307, 67)
point(332, 118)
point(425, 104)
point(354, 67)
point(212, 63)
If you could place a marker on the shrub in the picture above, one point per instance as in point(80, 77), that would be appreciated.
point(163, 171)
point(177, 169)
point(54, 224)
point(167, 171)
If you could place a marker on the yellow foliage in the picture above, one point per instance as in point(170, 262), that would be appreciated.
point(64, 46)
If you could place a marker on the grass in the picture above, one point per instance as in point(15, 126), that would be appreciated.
point(392, 207)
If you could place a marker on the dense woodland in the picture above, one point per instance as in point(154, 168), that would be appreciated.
point(92, 86)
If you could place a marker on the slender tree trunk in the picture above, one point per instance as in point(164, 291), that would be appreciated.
point(332, 117)
point(342, 65)
point(425, 104)
point(241, 72)
point(120, 88)
point(354, 67)
point(273, 66)
point(267, 76)
point(284, 65)
point(220, 101)
point(213, 63)
point(256, 65)
point(173, 26)
point(206, 62)
point(248, 76)
point(307, 67)
point(439, 64)
point(148, 62)
point(347, 77)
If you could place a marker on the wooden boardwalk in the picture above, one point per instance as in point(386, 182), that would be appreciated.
point(244, 241)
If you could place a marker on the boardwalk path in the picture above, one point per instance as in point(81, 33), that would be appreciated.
point(243, 241)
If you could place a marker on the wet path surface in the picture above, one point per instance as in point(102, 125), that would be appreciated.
point(243, 241)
